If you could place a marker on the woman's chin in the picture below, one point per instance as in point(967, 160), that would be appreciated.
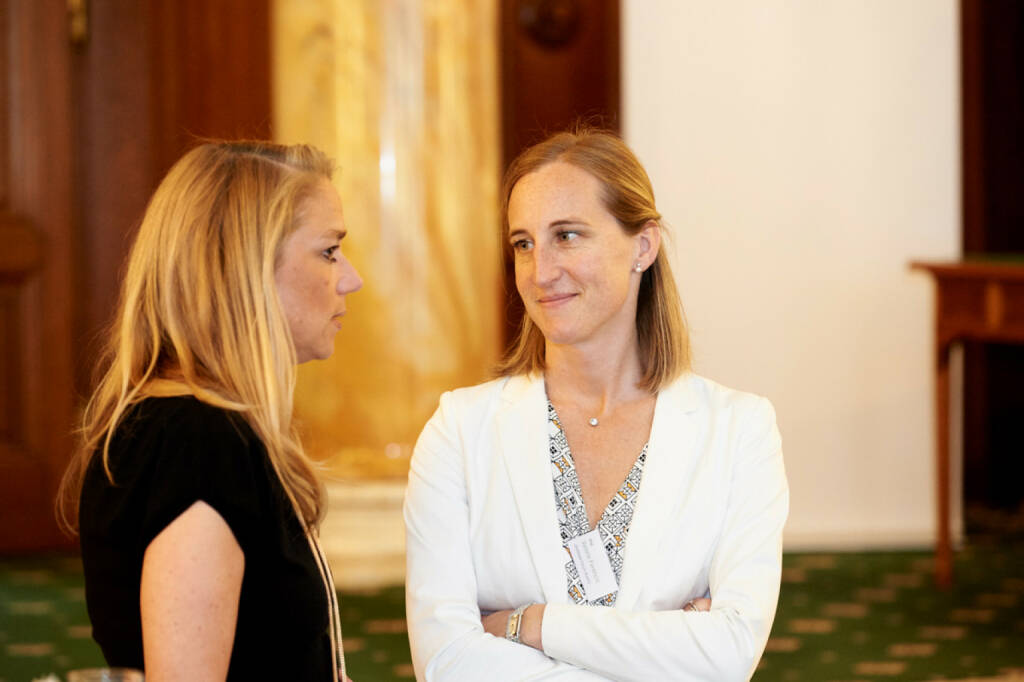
point(562, 337)
point(303, 356)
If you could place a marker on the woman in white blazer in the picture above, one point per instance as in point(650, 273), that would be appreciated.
point(599, 512)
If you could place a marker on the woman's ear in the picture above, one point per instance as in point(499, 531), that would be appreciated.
point(648, 241)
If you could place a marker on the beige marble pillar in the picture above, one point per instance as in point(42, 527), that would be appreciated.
point(403, 94)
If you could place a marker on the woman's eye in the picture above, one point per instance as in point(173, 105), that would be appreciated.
point(567, 235)
point(522, 245)
point(330, 253)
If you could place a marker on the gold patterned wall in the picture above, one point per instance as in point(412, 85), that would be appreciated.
point(403, 94)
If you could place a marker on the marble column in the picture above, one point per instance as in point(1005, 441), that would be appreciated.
point(403, 95)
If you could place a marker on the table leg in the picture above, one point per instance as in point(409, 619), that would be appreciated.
point(943, 546)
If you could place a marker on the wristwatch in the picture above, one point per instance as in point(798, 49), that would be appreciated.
point(514, 622)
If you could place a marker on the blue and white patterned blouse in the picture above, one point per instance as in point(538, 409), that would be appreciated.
point(572, 514)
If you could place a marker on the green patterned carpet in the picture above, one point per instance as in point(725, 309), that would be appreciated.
point(842, 617)
point(877, 616)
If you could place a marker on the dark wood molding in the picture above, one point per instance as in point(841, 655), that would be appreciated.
point(973, 209)
point(5, 94)
point(115, 169)
point(992, 153)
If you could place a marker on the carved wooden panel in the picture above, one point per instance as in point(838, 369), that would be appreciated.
point(10, 376)
point(144, 78)
point(35, 271)
point(20, 257)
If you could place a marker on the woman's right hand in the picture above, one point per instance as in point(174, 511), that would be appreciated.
point(701, 604)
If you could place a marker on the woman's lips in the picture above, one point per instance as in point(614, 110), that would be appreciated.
point(555, 299)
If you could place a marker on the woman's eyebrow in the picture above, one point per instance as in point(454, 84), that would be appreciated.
point(567, 221)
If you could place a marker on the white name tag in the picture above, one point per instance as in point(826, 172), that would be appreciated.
point(596, 574)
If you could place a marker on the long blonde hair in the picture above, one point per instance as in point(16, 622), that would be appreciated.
point(199, 312)
point(628, 196)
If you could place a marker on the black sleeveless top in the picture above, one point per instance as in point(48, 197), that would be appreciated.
point(167, 454)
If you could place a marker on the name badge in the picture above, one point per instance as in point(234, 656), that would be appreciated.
point(592, 565)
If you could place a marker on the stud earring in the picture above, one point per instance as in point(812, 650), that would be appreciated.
point(638, 267)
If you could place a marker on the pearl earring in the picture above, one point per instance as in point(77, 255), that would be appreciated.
point(638, 267)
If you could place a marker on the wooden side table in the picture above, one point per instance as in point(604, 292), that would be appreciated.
point(978, 300)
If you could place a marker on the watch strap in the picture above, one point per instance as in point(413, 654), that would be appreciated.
point(514, 623)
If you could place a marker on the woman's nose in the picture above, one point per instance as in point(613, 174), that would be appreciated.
point(545, 265)
point(350, 281)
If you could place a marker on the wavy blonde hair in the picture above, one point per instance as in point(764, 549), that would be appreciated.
point(628, 196)
point(199, 312)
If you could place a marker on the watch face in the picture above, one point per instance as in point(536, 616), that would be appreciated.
point(515, 619)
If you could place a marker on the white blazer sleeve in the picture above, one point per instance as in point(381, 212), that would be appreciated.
point(446, 636)
point(744, 577)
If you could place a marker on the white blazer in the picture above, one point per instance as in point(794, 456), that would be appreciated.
point(482, 535)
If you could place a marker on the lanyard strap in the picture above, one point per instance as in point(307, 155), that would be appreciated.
point(337, 651)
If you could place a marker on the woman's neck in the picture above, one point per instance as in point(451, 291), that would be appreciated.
point(595, 379)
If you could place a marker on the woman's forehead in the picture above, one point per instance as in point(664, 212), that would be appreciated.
point(557, 186)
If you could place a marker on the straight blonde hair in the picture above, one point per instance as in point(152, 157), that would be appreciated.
point(628, 196)
point(199, 312)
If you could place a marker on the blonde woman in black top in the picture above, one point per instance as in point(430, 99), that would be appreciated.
point(195, 502)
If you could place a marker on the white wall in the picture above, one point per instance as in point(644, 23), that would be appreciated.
point(804, 151)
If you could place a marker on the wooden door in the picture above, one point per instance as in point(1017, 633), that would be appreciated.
point(148, 80)
point(88, 126)
point(36, 373)
point(992, 135)
point(559, 66)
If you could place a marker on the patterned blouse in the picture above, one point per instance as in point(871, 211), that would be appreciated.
point(572, 514)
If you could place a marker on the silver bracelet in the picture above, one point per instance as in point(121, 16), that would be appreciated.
point(514, 623)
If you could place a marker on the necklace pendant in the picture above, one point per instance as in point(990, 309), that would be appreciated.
point(593, 421)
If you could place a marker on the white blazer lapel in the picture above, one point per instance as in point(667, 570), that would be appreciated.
point(522, 435)
point(672, 433)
